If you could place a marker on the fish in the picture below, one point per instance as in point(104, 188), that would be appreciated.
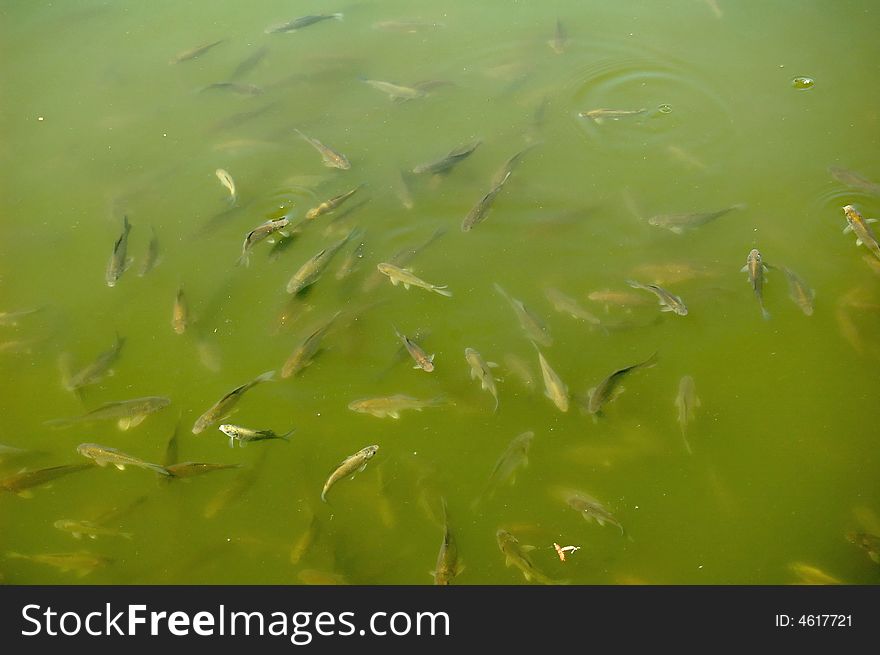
point(861, 228)
point(236, 488)
point(515, 554)
point(191, 469)
point(812, 575)
point(798, 290)
point(870, 543)
point(514, 457)
point(127, 413)
point(11, 318)
point(89, 529)
point(481, 370)
point(678, 223)
point(248, 64)
point(568, 305)
point(331, 204)
point(668, 302)
point(520, 369)
point(405, 277)
point(383, 406)
point(21, 483)
point(480, 210)
point(554, 387)
point(403, 257)
point(854, 180)
point(397, 92)
point(95, 371)
point(349, 466)
point(259, 233)
point(104, 455)
point(244, 436)
point(119, 262)
point(448, 565)
point(310, 272)
point(591, 509)
point(618, 298)
point(535, 329)
point(305, 352)
point(756, 268)
point(448, 161)
point(557, 43)
point(507, 168)
point(180, 312)
point(609, 388)
point(222, 408)
point(227, 181)
point(420, 357)
point(670, 273)
point(11, 452)
point(403, 190)
point(301, 22)
point(192, 53)
point(151, 259)
point(234, 87)
point(599, 115)
point(330, 157)
point(351, 262)
point(686, 402)
point(81, 563)
point(302, 545)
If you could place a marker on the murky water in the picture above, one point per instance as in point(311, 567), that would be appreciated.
point(712, 104)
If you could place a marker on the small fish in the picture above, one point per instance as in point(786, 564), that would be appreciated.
point(351, 262)
point(89, 529)
point(244, 436)
point(22, 482)
point(668, 301)
point(248, 64)
point(568, 305)
point(617, 298)
point(557, 43)
point(191, 469)
point(609, 388)
point(221, 409)
point(397, 92)
point(861, 228)
point(104, 455)
point(481, 370)
point(383, 406)
point(678, 223)
point(11, 318)
point(180, 312)
point(302, 21)
point(127, 413)
point(404, 192)
point(870, 543)
point(81, 563)
point(812, 575)
point(192, 53)
point(331, 158)
point(312, 269)
point(687, 402)
point(514, 457)
point(506, 169)
point(554, 387)
point(259, 233)
point(236, 488)
point(535, 329)
point(591, 509)
point(118, 263)
point(756, 269)
point(448, 161)
point(405, 277)
point(420, 357)
point(515, 554)
point(349, 466)
point(799, 292)
point(227, 181)
point(480, 210)
point(854, 180)
point(304, 544)
point(305, 352)
point(670, 273)
point(331, 204)
point(448, 565)
point(94, 372)
point(152, 256)
point(599, 115)
point(235, 87)
point(403, 257)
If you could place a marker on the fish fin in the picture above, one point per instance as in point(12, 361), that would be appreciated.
point(121, 467)
point(527, 548)
point(858, 242)
point(443, 291)
point(25, 494)
point(406, 286)
point(394, 414)
point(847, 229)
point(231, 442)
point(870, 220)
point(417, 366)
point(744, 269)
point(363, 466)
point(697, 402)
point(395, 281)
point(676, 230)
point(666, 308)
point(507, 560)
point(765, 314)
point(286, 435)
point(92, 536)
point(339, 16)
point(431, 359)
point(492, 364)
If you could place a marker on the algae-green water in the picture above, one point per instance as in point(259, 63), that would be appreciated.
point(103, 118)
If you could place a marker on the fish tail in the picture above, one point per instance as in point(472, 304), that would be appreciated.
point(286, 435)
point(442, 291)
point(161, 470)
point(338, 16)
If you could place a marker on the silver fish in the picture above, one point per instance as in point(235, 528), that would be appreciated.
point(397, 92)
point(259, 233)
point(678, 223)
point(420, 357)
point(448, 565)
point(385, 406)
point(534, 327)
point(854, 180)
point(349, 466)
point(305, 352)
point(104, 455)
point(557, 43)
point(798, 290)
point(302, 21)
point(480, 370)
point(668, 301)
point(93, 372)
point(515, 554)
point(554, 388)
point(756, 269)
point(479, 211)
point(514, 457)
point(245, 436)
point(21, 483)
point(152, 256)
point(330, 157)
point(861, 228)
point(591, 509)
point(448, 161)
point(568, 305)
point(406, 277)
point(221, 409)
point(126, 413)
point(119, 262)
point(686, 402)
point(311, 270)
point(192, 53)
point(609, 388)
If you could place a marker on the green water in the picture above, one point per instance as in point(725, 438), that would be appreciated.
point(97, 124)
